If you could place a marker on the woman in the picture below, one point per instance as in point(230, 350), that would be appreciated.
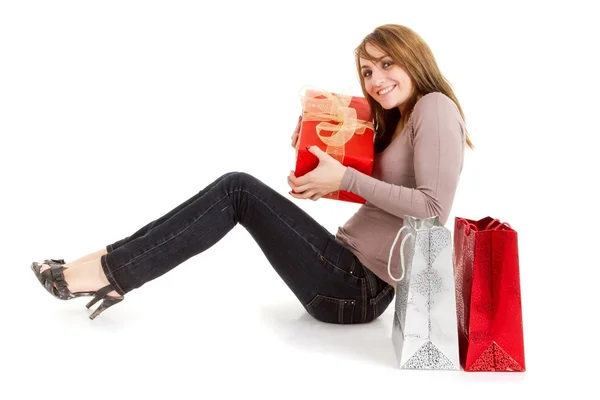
point(420, 136)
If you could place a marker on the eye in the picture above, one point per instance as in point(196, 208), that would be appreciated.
point(367, 74)
point(387, 64)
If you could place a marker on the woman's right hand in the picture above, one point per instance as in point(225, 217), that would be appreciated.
point(296, 133)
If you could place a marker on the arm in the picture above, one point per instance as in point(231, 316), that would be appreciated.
point(438, 155)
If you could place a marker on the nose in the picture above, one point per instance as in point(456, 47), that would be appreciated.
point(378, 77)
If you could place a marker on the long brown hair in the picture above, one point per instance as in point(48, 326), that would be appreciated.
point(408, 50)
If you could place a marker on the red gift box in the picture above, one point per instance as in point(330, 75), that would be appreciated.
point(488, 296)
point(342, 127)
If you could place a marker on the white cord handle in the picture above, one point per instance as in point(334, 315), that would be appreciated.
point(401, 252)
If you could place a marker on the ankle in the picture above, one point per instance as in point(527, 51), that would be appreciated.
point(86, 276)
point(91, 256)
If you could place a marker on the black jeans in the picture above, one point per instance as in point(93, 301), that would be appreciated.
point(326, 277)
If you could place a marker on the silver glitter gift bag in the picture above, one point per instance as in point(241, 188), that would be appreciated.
point(424, 332)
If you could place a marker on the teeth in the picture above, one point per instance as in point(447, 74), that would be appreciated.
point(385, 91)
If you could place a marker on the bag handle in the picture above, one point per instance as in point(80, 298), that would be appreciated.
point(470, 227)
point(401, 252)
point(498, 226)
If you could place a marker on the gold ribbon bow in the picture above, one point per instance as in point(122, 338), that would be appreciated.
point(336, 116)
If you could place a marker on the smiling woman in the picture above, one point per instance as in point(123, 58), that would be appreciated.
point(420, 136)
point(389, 84)
point(395, 58)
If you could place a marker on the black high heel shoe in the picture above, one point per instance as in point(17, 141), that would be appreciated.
point(54, 282)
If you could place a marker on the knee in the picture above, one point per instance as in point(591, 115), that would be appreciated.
point(239, 180)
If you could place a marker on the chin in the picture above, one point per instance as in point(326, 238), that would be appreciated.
point(391, 105)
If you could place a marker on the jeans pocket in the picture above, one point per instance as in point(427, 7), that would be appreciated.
point(350, 271)
point(331, 309)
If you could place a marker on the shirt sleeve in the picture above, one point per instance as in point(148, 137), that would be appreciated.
point(438, 139)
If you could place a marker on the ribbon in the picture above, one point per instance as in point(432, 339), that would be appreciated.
point(335, 115)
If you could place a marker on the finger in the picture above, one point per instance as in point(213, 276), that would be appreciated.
point(302, 180)
point(296, 195)
point(300, 189)
point(321, 155)
point(296, 183)
point(296, 180)
point(290, 184)
point(309, 194)
point(291, 177)
point(293, 186)
point(304, 188)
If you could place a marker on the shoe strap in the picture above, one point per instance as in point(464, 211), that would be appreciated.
point(102, 292)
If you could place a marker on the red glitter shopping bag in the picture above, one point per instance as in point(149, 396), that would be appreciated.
point(488, 294)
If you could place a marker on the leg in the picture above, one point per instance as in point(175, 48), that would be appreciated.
point(316, 267)
point(326, 277)
point(144, 230)
point(85, 273)
point(272, 220)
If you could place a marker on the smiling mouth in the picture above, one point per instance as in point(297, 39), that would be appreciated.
point(385, 91)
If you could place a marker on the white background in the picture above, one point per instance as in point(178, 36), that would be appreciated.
point(114, 112)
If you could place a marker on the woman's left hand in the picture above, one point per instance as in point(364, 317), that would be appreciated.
point(324, 179)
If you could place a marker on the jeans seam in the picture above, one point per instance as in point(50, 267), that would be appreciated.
point(371, 283)
point(172, 237)
point(327, 260)
point(210, 208)
point(364, 299)
point(381, 294)
point(372, 291)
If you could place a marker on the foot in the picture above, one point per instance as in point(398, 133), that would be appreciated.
point(86, 276)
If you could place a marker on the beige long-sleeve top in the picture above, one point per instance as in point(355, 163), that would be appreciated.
point(417, 175)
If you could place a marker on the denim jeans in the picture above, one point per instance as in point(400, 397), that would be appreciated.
point(326, 277)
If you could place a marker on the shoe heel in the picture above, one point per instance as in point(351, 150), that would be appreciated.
point(106, 303)
point(93, 301)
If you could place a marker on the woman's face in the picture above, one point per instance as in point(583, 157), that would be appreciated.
point(386, 82)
